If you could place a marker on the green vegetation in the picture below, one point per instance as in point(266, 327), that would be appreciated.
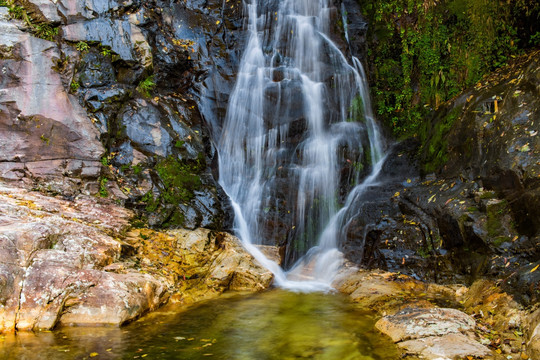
point(146, 86)
point(434, 148)
point(103, 192)
point(46, 31)
point(45, 139)
point(424, 52)
point(41, 30)
point(105, 51)
point(179, 180)
point(82, 46)
point(75, 85)
point(104, 160)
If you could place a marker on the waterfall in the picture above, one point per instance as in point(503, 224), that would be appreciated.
point(298, 128)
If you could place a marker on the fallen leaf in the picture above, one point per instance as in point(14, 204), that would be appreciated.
point(94, 354)
point(525, 148)
point(535, 268)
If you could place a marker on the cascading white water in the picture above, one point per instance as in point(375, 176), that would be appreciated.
point(292, 76)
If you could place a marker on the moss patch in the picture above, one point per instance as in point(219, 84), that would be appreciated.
point(435, 145)
point(179, 180)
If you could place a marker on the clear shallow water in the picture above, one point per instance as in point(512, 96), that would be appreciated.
point(272, 325)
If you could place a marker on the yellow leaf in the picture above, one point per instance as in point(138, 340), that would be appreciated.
point(94, 354)
point(217, 22)
point(535, 268)
point(498, 351)
point(396, 194)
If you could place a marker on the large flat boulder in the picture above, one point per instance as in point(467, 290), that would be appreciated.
point(69, 262)
point(433, 333)
point(413, 323)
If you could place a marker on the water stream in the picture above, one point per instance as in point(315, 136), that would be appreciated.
point(299, 128)
point(266, 326)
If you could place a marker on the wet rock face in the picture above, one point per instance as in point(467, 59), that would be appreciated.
point(109, 106)
point(477, 216)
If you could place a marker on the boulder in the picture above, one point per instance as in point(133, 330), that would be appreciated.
point(199, 264)
point(68, 262)
point(433, 333)
point(411, 323)
point(451, 346)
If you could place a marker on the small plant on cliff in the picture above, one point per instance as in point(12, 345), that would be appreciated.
point(46, 31)
point(103, 192)
point(75, 85)
point(105, 51)
point(17, 12)
point(146, 85)
point(82, 46)
point(45, 139)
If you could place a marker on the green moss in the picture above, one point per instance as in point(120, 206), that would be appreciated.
point(151, 203)
point(357, 110)
point(103, 192)
point(179, 180)
point(179, 144)
point(434, 144)
point(495, 212)
point(488, 195)
point(499, 240)
point(46, 140)
point(137, 169)
point(176, 219)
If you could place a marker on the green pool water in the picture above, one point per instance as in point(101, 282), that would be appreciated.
point(271, 325)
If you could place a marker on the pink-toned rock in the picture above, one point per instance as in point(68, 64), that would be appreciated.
point(53, 255)
point(447, 347)
point(116, 299)
point(433, 333)
point(414, 323)
point(69, 262)
point(44, 132)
